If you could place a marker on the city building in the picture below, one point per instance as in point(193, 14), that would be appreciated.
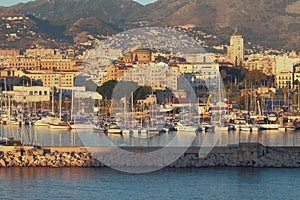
point(264, 64)
point(30, 94)
point(114, 72)
point(4, 53)
point(284, 79)
point(236, 49)
point(50, 79)
point(296, 78)
point(32, 63)
point(157, 75)
point(43, 53)
point(140, 56)
point(58, 64)
point(285, 63)
point(22, 63)
point(198, 58)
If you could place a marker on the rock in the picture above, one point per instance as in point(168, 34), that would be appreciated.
point(3, 163)
point(38, 152)
point(49, 156)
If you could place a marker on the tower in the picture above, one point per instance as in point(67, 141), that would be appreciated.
point(236, 48)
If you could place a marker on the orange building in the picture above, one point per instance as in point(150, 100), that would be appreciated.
point(9, 53)
point(29, 63)
point(50, 80)
point(64, 64)
point(114, 72)
point(142, 56)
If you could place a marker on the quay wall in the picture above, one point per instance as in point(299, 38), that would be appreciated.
point(242, 155)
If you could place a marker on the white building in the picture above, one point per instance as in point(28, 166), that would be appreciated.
point(156, 75)
point(262, 63)
point(284, 79)
point(285, 63)
point(198, 58)
point(30, 94)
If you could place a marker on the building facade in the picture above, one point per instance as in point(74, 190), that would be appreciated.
point(31, 94)
point(264, 64)
point(157, 75)
point(284, 79)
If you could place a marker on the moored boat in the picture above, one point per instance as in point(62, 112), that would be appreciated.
point(269, 126)
point(82, 126)
point(114, 129)
point(185, 127)
point(61, 125)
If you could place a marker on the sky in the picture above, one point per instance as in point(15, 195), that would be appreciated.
point(13, 2)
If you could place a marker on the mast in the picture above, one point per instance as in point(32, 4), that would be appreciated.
point(53, 99)
point(9, 107)
point(272, 101)
point(72, 105)
point(259, 108)
point(124, 115)
point(246, 96)
point(298, 96)
point(60, 103)
point(251, 98)
point(132, 117)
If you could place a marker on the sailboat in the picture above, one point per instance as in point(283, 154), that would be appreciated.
point(185, 127)
point(60, 124)
point(267, 126)
point(82, 125)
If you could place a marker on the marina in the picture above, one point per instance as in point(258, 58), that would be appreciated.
point(44, 136)
point(149, 99)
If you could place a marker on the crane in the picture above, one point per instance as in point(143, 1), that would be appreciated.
point(206, 115)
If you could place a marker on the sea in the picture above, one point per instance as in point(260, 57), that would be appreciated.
point(105, 183)
point(169, 183)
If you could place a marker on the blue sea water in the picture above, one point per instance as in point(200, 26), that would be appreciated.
point(96, 183)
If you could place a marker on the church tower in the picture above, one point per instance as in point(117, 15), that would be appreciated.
point(236, 49)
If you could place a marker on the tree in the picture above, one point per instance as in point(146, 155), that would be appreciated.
point(142, 92)
point(255, 76)
point(107, 88)
point(117, 90)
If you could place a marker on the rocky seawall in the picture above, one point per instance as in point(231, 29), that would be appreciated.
point(242, 155)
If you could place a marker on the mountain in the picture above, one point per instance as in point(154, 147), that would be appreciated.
point(272, 23)
point(7, 12)
point(71, 10)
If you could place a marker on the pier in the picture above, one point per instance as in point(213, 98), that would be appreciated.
point(241, 155)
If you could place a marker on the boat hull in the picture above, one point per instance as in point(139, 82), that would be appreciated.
point(82, 126)
point(59, 126)
point(114, 131)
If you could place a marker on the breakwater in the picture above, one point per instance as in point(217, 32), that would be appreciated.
point(242, 155)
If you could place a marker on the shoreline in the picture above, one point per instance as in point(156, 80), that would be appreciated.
point(242, 155)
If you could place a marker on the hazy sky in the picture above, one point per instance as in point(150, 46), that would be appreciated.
point(12, 2)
